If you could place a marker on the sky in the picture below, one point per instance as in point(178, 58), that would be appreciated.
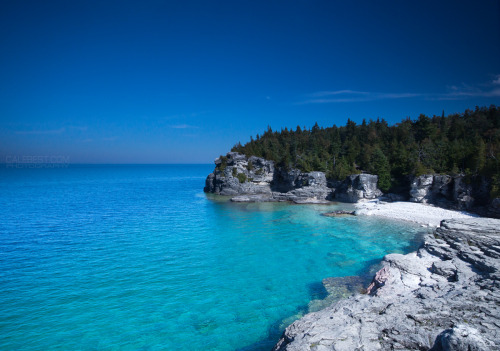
point(183, 81)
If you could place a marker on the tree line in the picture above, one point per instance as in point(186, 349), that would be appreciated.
point(462, 143)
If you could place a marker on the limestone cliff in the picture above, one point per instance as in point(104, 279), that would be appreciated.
point(250, 179)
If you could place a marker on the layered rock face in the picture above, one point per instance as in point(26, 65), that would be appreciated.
point(256, 179)
point(445, 296)
point(235, 174)
point(449, 192)
point(357, 187)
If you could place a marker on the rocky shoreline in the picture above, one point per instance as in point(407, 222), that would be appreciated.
point(255, 179)
point(445, 296)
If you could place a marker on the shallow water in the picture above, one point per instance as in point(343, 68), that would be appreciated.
point(139, 258)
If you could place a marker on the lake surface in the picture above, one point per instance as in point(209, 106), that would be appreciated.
point(139, 258)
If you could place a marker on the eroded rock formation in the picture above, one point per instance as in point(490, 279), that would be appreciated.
point(455, 192)
point(445, 296)
point(357, 187)
point(255, 179)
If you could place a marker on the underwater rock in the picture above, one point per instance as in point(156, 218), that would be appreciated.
point(338, 213)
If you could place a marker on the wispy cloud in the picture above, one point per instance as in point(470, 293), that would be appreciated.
point(464, 91)
point(41, 132)
point(183, 126)
point(338, 92)
point(338, 96)
point(454, 92)
point(496, 80)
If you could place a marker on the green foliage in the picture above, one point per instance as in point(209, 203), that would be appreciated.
point(420, 169)
point(223, 163)
point(235, 172)
point(454, 144)
point(495, 187)
point(242, 177)
point(382, 169)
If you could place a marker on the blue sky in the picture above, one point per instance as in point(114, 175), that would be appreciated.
point(183, 81)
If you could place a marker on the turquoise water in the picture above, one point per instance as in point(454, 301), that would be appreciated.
point(139, 258)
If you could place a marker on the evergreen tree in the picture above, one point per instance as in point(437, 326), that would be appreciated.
point(381, 167)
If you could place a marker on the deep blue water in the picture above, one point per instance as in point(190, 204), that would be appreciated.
point(139, 258)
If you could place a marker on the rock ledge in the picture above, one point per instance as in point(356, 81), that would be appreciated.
point(445, 296)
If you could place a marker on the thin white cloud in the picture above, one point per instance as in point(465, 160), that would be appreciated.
point(338, 92)
point(496, 80)
point(183, 126)
point(465, 91)
point(42, 132)
point(455, 92)
point(338, 96)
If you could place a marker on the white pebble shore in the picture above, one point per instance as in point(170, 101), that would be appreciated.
point(424, 214)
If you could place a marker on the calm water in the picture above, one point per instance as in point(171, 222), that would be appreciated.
point(139, 258)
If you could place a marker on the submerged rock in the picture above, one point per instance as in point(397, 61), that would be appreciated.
point(252, 198)
point(338, 213)
point(445, 296)
point(337, 288)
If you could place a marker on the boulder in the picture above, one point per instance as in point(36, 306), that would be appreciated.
point(357, 187)
point(460, 338)
point(420, 188)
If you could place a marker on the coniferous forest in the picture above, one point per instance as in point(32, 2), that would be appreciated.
point(466, 143)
